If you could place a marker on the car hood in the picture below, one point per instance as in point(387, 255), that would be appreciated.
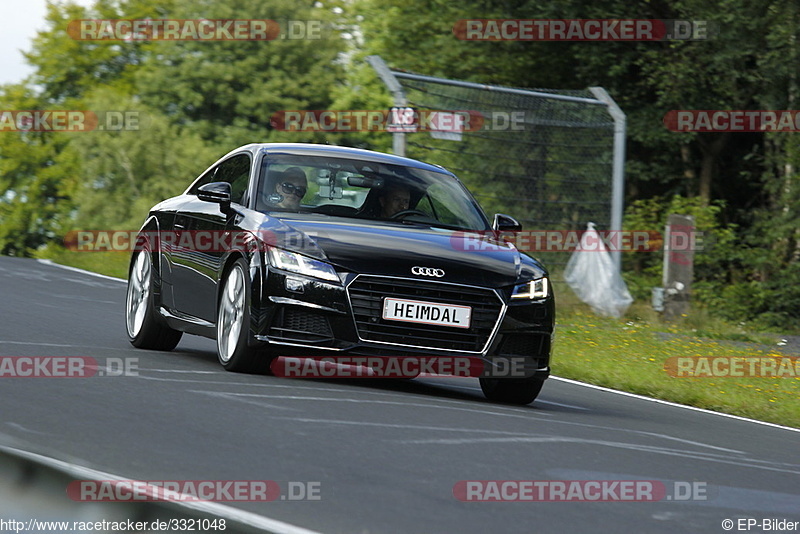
point(392, 249)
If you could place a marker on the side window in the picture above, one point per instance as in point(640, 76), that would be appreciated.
point(235, 171)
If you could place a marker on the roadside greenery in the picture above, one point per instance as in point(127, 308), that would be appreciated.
point(632, 354)
point(109, 263)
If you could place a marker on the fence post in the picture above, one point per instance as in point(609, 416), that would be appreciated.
point(678, 265)
point(385, 74)
point(618, 170)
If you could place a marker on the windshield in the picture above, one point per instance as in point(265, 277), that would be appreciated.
point(366, 190)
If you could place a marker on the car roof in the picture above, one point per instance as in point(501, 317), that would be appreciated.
point(311, 149)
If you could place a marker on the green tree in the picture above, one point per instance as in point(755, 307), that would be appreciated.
point(34, 203)
point(228, 90)
point(125, 172)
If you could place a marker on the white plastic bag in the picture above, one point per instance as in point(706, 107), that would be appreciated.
point(592, 276)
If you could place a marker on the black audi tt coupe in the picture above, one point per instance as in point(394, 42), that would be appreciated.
point(298, 249)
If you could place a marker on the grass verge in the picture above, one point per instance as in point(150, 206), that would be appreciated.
point(109, 263)
point(631, 354)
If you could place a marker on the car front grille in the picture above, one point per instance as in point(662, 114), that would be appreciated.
point(366, 298)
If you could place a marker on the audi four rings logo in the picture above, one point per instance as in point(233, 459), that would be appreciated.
point(427, 271)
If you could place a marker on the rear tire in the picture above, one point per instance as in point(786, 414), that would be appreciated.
point(144, 329)
point(233, 324)
point(512, 390)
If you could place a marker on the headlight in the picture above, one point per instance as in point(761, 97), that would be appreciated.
point(297, 263)
point(535, 289)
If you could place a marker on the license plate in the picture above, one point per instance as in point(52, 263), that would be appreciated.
point(417, 311)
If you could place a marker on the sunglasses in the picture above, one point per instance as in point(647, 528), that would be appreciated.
point(296, 190)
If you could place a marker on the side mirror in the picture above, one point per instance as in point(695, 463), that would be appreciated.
point(506, 223)
point(217, 192)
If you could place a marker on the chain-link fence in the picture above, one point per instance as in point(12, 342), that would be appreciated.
point(546, 157)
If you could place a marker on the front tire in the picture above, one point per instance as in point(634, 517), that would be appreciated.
point(233, 324)
point(144, 329)
point(512, 390)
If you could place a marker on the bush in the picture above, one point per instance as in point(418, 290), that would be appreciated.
point(736, 277)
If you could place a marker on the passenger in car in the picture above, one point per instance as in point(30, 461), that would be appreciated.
point(290, 189)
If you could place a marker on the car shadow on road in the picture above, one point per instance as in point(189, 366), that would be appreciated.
point(462, 389)
point(440, 387)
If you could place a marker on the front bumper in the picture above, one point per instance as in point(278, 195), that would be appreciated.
point(300, 316)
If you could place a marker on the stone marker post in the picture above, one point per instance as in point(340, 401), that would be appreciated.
point(680, 243)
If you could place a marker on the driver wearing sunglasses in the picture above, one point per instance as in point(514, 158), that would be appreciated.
point(291, 188)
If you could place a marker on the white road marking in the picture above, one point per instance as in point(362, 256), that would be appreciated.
point(637, 447)
point(478, 430)
point(572, 407)
point(254, 402)
point(473, 388)
point(352, 400)
point(180, 371)
point(511, 435)
point(468, 388)
point(516, 413)
point(84, 299)
point(75, 269)
point(61, 345)
point(512, 411)
point(674, 404)
point(2, 342)
point(23, 429)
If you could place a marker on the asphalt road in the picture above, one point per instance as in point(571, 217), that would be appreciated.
point(386, 454)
